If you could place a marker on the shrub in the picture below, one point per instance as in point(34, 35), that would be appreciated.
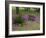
point(19, 20)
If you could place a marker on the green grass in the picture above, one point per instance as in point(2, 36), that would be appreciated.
point(31, 26)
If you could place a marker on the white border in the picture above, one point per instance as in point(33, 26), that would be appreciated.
point(25, 32)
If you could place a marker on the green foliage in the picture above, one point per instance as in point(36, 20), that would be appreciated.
point(19, 20)
point(13, 10)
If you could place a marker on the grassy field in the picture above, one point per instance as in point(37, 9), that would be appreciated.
point(32, 22)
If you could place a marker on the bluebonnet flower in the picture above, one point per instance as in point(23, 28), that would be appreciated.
point(25, 17)
point(32, 18)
